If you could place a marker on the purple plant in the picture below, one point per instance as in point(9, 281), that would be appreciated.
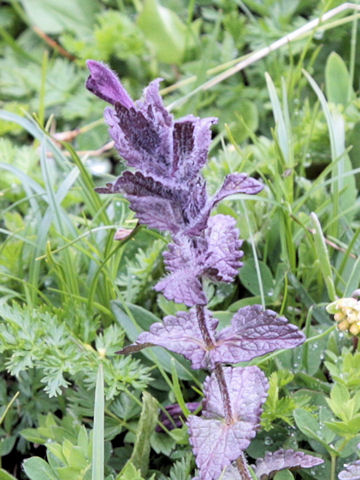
point(167, 191)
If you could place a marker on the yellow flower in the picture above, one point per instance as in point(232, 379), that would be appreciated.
point(346, 313)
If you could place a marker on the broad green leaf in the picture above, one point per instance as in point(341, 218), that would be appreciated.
point(6, 445)
point(164, 30)
point(5, 475)
point(307, 423)
point(37, 469)
point(343, 186)
point(53, 16)
point(250, 280)
point(141, 453)
point(337, 80)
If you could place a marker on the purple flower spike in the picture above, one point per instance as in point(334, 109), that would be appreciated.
point(105, 84)
point(351, 472)
point(215, 441)
point(284, 460)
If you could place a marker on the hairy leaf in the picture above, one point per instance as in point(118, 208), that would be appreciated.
point(105, 84)
point(253, 332)
point(351, 471)
point(284, 460)
point(216, 255)
point(216, 440)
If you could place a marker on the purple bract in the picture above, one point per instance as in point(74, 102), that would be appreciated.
point(167, 191)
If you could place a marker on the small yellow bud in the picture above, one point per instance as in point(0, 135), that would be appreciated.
point(344, 325)
point(339, 316)
point(354, 329)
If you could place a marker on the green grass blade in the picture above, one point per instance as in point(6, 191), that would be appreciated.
point(323, 257)
point(282, 130)
point(336, 128)
point(98, 432)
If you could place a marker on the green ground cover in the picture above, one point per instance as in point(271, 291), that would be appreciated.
point(72, 295)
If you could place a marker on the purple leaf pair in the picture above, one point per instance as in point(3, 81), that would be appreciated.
point(253, 332)
point(215, 255)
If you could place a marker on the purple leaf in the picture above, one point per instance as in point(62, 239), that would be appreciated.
point(181, 334)
point(216, 443)
point(253, 333)
point(351, 471)
point(145, 133)
point(238, 183)
point(216, 254)
point(222, 255)
point(231, 473)
point(105, 84)
point(155, 205)
point(183, 285)
point(282, 460)
point(191, 142)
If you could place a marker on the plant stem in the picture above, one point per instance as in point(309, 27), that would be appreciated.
point(333, 466)
point(224, 392)
point(242, 468)
point(219, 373)
point(200, 313)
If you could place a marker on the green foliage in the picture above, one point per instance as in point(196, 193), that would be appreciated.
point(280, 407)
point(164, 30)
point(41, 340)
point(72, 296)
point(114, 34)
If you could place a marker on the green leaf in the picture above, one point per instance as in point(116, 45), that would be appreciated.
point(129, 472)
point(164, 30)
point(323, 257)
point(249, 278)
point(5, 475)
point(141, 453)
point(6, 445)
point(284, 475)
point(338, 81)
point(53, 16)
point(37, 469)
point(307, 423)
